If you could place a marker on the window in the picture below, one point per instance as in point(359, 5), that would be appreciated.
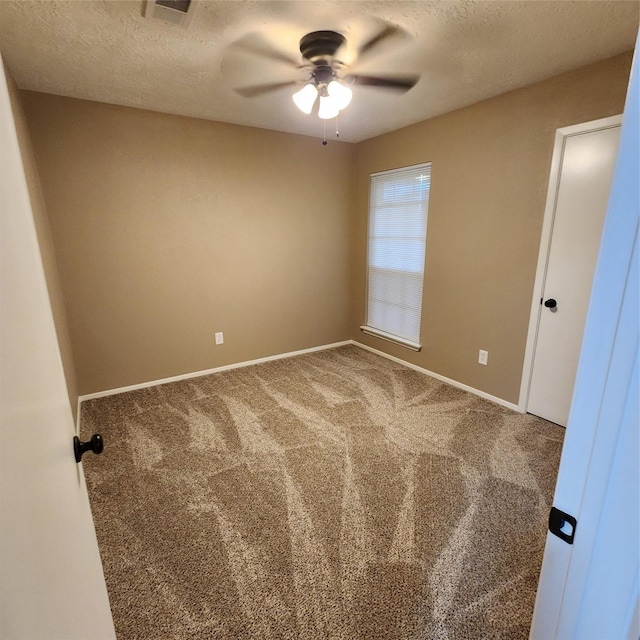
point(398, 206)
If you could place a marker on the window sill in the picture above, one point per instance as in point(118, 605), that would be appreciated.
point(408, 344)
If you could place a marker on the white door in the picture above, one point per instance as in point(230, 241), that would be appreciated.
point(578, 204)
point(51, 580)
point(590, 590)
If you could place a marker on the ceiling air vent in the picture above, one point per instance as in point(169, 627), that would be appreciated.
point(178, 12)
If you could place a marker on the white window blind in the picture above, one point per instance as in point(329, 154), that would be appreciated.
point(398, 207)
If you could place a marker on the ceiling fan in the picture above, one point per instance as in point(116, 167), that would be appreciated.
point(327, 76)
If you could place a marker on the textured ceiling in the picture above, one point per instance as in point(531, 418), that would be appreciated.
point(465, 51)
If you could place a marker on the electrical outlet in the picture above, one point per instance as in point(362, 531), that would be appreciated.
point(219, 337)
point(483, 357)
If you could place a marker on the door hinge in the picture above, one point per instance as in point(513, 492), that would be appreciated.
point(562, 525)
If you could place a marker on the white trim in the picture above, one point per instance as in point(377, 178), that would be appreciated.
point(545, 243)
point(437, 376)
point(78, 416)
point(411, 167)
point(206, 372)
point(389, 337)
point(248, 363)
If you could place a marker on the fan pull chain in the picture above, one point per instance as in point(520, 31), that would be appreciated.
point(337, 128)
point(324, 133)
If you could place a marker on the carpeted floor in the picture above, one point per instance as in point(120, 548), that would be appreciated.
point(334, 495)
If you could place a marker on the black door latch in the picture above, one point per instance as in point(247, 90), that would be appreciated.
point(562, 525)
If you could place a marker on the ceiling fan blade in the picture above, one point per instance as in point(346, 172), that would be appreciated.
point(256, 44)
point(260, 89)
point(396, 83)
point(384, 34)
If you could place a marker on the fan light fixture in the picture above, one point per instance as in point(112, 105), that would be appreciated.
point(334, 97)
point(306, 98)
point(328, 78)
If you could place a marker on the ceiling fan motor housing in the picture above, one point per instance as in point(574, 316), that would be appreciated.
point(322, 75)
point(321, 46)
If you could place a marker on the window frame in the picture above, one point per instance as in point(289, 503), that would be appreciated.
point(371, 329)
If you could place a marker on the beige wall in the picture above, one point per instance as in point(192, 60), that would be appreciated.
point(489, 178)
point(168, 229)
point(46, 244)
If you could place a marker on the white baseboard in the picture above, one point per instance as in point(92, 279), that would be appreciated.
point(437, 376)
point(206, 372)
point(280, 356)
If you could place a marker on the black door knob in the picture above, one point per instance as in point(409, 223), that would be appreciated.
point(550, 303)
point(96, 444)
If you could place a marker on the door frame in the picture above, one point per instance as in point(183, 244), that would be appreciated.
point(545, 243)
